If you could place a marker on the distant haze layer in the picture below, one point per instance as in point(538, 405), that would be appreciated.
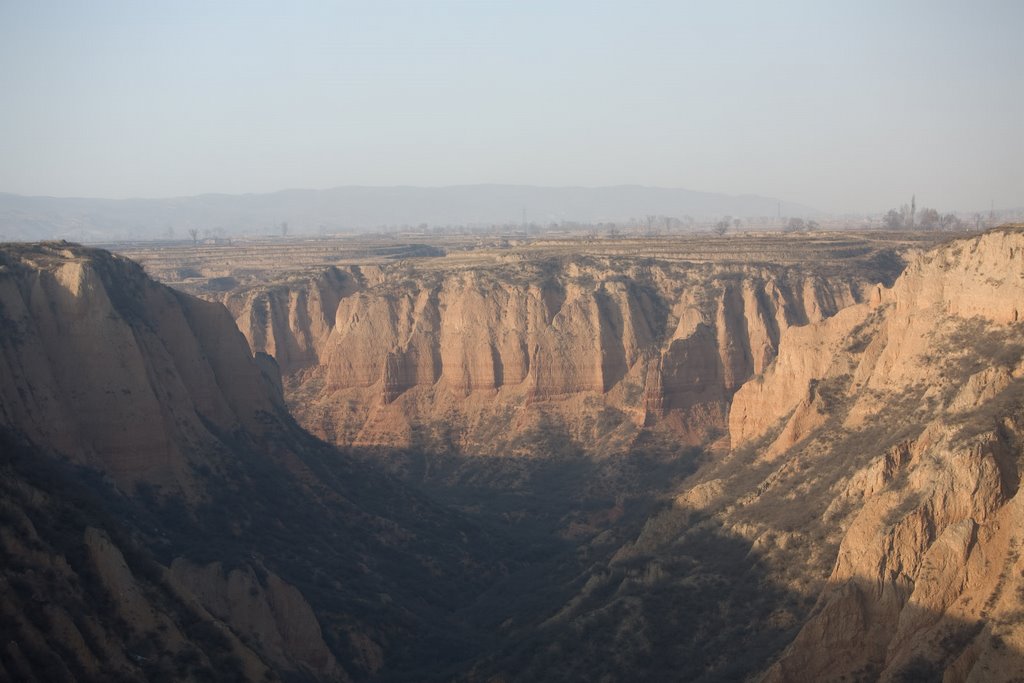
point(363, 208)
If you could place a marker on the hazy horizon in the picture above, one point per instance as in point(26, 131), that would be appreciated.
point(848, 109)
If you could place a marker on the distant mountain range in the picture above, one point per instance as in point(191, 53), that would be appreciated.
point(352, 208)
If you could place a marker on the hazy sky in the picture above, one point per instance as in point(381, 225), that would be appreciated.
point(843, 106)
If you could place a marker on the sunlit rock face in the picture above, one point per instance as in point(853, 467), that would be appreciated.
point(656, 343)
point(101, 362)
point(853, 512)
point(927, 580)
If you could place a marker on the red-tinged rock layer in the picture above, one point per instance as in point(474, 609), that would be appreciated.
point(660, 344)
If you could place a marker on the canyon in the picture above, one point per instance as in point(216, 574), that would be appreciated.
point(480, 336)
point(780, 457)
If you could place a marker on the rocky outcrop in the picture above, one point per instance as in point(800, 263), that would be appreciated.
point(864, 522)
point(99, 362)
point(81, 602)
point(808, 354)
point(162, 517)
point(264, 610)
point(292, 321)
point(928, 575)
point(927, 578)
point(886, 344)
point(656, 343)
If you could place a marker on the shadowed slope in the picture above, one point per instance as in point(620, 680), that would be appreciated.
point(187, 524)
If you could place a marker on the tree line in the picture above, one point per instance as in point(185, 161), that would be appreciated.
point(907, 217)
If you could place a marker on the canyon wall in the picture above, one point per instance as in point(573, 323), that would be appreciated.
point(292, 322)
point(917, 398)
point(481, 350)
point(163, 517)
point(99, 362)
point(863, 524)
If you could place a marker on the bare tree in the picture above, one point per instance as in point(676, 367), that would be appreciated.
point(795, 225)
point(194, 234)
point(721, 227)
point(951, 222)
point(906, 220)
point(929, 219)
point(893, 219)
point(284, 228)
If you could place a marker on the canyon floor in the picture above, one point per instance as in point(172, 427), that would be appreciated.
point(778, 457)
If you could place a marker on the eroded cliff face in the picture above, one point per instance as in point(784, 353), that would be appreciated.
point(101, 363)
point(915, 400)
point(864, 523)
point(489, 352)
point(292, 321)
point(163, 517)
point(264, 610)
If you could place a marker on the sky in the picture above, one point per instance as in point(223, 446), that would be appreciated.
point(843, 106)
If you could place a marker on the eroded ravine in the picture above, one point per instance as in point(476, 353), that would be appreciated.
point(861, 523)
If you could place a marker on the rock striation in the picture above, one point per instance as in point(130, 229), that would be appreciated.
point(920, 392)
point(654, 342)
point(99, 362)
point(292, 321)
point(162, 517)
point(863, 523)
